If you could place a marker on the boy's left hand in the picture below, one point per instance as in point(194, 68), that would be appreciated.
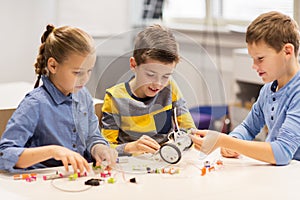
point(101, 152)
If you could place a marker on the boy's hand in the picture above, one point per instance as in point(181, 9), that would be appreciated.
point(68, 156)
point(101, 152)
point(144, 144)
point(228, 153)
point(205, 140)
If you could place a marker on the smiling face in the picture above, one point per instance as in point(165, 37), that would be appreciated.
point(150, 77)
point(269, 64)
point(71, 75)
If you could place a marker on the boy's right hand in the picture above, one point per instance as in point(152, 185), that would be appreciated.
point(228, 153)
point(68, 156)
point(144, 144)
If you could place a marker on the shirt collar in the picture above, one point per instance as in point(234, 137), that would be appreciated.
point(274, 86)
point(57, 95)
point(133, 96)
point(288, 85)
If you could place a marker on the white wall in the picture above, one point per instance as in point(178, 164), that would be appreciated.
point(211, 81)
point(22, 23)
point(98, 17)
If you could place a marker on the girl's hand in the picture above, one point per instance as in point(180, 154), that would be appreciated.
point(101, 152)
point(68, 156)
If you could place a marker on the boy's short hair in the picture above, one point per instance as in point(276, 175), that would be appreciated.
point(275, 29)
point(157, 43)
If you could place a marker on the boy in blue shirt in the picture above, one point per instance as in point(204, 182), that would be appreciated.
point(273, 43)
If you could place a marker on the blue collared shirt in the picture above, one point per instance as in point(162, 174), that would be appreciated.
point(280, 112)
point(48, 117)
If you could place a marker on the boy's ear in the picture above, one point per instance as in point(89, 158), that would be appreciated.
point(132, 63)
point(52, 65)
point(288, 49)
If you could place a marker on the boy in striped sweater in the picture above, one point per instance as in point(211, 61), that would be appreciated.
point(137, 115)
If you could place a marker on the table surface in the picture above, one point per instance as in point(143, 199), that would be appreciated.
point(241, 178)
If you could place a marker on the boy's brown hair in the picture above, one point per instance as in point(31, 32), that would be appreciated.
point(157, 43)
point(275, 29)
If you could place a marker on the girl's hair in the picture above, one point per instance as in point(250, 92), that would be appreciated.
point(275, 29)
point(59, 43)
point(157, 43)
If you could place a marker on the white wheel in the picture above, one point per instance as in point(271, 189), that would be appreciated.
point(170, 153)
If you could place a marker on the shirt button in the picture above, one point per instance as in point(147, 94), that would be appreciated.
point(272, 108)
point(74, 130)
point(74, 145)
point(272, 117)
point(274, 98)
point(1, 153)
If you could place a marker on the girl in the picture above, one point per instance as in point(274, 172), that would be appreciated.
point(55, 123)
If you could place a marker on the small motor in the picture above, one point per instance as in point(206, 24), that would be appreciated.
point(171, 151)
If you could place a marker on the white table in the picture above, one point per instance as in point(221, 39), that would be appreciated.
point(242, 178)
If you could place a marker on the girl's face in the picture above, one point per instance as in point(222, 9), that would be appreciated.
point(71, 75)
point(269, 64)
point(150, 77)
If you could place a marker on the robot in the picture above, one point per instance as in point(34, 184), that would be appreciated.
point(179, 141)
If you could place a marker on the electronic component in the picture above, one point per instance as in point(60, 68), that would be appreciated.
point(179, 140)
point(111, 180)
point(23, 176)
point(53, 176)
point(93, 182)
point(132, 180)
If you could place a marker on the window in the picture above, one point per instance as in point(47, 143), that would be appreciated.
point(185, 9)
point(249, 10)
point(223, 11)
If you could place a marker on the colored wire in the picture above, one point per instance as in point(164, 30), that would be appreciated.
point(68, 190)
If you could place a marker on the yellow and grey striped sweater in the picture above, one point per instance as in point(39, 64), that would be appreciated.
point(126, 117)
